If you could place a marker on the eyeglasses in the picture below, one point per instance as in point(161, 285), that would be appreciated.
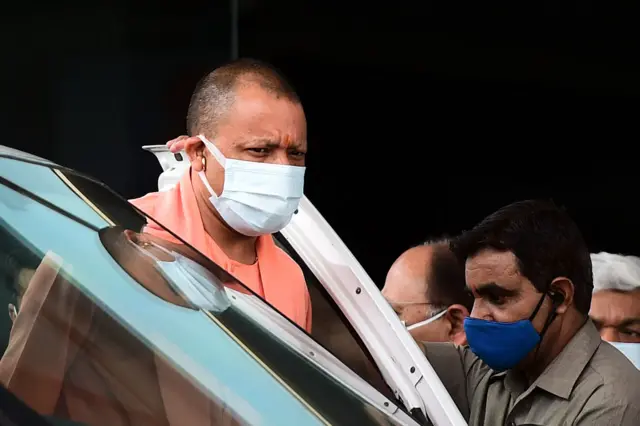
point(440, 311)
point(429, 320)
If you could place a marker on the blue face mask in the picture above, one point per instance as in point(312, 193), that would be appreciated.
point(502, 345)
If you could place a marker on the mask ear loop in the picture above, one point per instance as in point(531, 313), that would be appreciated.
point(555, 302)
point(213, 150)
point(427, 321)
point(535, 311)
point(219, 158)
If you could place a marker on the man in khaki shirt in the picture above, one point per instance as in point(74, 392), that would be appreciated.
point(534, 357)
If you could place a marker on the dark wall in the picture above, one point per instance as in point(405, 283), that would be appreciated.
point(423, 118)
point(86, 86)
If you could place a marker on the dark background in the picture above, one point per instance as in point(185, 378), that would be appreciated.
point(423, 116)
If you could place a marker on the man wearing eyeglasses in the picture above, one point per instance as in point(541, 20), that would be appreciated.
point(426, 287)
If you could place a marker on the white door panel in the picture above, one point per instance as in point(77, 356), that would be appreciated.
point(399, 359)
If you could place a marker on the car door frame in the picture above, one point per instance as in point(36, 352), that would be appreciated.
point(401, 362)
point(399, 359)
point(287, 332)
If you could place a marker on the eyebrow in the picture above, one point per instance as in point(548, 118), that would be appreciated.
point(630, 321)
point(626, 323)
point(260, 141)
point(494, 289)
point(272, 143)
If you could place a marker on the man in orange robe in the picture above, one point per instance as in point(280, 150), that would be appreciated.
point(244, 183)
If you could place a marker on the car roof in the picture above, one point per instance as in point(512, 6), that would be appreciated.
point(5, 151)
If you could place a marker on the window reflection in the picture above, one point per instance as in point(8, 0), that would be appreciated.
point(70, 356)
point(119, 327)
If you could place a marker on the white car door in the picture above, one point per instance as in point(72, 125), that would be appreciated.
point(399, 359)
point(401, 362)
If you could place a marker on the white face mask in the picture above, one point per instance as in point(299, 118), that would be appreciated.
point(192, 280)
point(427, 321)
point(257, 198)
point(630, 350)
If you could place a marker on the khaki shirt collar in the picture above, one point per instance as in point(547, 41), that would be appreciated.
point(561, 375)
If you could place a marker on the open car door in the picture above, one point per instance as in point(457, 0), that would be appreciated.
point(402, 364)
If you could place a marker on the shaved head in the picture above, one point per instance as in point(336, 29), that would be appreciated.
point(429, 273)
point(407, 278)
point(215, 94)
point(427, 280)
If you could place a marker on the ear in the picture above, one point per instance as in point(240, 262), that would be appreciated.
point(564, 290)
point(194, 148)
point(456, 315)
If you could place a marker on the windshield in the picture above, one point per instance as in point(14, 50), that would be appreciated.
point(150, 318)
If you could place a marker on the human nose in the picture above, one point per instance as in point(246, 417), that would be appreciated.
point(281, 156)
point(610, 334)
point(283, 159)
point(480, 311)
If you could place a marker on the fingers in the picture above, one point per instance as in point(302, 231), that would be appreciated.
point(172, 142)
point(178, 144)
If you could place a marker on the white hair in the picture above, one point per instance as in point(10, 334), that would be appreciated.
point(615, 272)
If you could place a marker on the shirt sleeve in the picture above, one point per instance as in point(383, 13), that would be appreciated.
point(460, 370)
point(53, 320)
point(603, 408)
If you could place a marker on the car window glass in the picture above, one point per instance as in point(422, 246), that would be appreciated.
point(124, 337)
point(45, 182)
point(14, 412)
point(71, 342)
point(333, 331)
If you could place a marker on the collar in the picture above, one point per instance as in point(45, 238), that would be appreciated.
point(560, 377)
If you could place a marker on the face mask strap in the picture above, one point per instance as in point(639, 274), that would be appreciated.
point(535, 311)
point(205, 182)
point(213, 150)
point(550, 318)
point(427, 321)
point(217, 155)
